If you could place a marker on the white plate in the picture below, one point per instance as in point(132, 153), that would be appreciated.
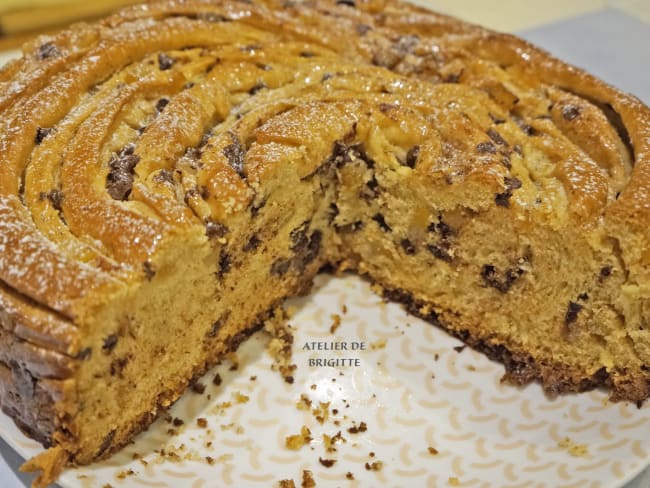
point(486, 434)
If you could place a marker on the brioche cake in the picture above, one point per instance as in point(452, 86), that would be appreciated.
point(171, 174)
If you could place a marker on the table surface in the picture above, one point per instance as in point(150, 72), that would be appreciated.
point(604, 36)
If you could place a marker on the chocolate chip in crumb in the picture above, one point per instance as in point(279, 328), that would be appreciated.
point(109, 343)
point(224, 264)
point(572, 312)
point(55, 197)
point(252, 244)
point(259, 86)
point(164, 176)
point(214, 229)
point(408, 247)
point(235, 154)
point(41, 134)
point(570, 112)
point(84, 354)
point(106, 443)
point(381, 221)
point(47, 51)
point(486, 148)
point(149, 270)
point(165, 62)
point(440, 251)
point(496, 137)
point(412, 156)
point(363, 29)
point(161, 104)
point(280, 267)
point(605, 272)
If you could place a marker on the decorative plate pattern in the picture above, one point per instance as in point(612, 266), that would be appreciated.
point(411, 405)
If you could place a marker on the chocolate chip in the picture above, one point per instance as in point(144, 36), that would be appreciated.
point(235, 154)
point(198, 388)
point(214, 229)
point(381, 221)
point(349, 228)
point(224, 264)
point(164, 176)
point(526, 128)
point(349, 3)
point(328, 463)
point(84, 354)
point(440, 252)
point(496, 137)
point(570, 112)
point(501, 283)
point(362, 29)
point(280, 267)
point(252, 244)
point(47, 51)
point(109, 343)
point(327, 76)
point(412, 156)
point(486, 148)
point(503, 199)
point(441, 228)
point(572, 312)
point(583, 296)
point(307, 54)
point(605, 272)
point(42, 133)
point(259, 86)
point(217, 324)
point(118, 365)
point(165, 62)
point(119, 180)
point(408, 246)
point(298, 237)
point(497, 120)
point(106, 443)
point(54, 196)
point(255, 208)
point(161, 104)
point(149, 270)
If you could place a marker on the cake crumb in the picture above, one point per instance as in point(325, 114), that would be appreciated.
point(279, 347)
point(328, 463)
point(307, 479)
point(202, 422)
point(355, 429)
point(321, 413)
point(374, 466)
point(123, 474)
point(349, 476)
point(344, 309)
point(460, 349)
point(453, 481)
point(209, 460)
point(304, 403)
point(336, 323)
point(576, 450)
point(198, 387)
point(217, 380)
point(241, 398)
point(433, 451)
point(286, 484)
point(296, 441)
point(380, 344)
